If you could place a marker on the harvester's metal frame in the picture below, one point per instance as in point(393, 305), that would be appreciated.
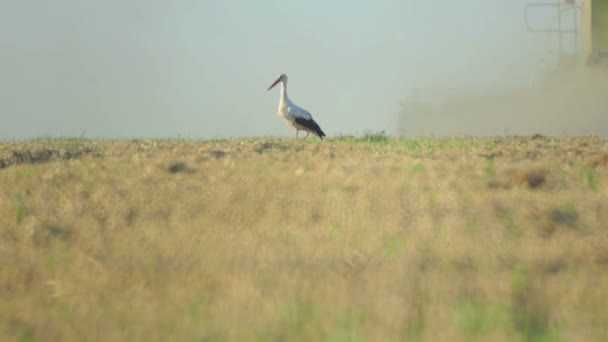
point(562, 8)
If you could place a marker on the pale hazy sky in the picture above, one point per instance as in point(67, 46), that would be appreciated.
point(200, 69)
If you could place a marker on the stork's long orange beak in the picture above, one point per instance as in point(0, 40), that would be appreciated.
point(274, 84)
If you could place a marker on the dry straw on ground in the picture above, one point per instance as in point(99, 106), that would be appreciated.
point(490, 239)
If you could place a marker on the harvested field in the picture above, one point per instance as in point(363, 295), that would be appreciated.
point(346, 239)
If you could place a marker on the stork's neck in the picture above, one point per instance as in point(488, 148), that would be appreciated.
point(283, 99)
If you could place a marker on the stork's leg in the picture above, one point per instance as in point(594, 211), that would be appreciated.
point(297, 131)
point(307, 134)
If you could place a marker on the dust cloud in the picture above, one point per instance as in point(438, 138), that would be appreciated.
point(570, 101)
point(526, 83)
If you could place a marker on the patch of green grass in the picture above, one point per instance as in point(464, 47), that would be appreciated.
point(489, 170)
point(336, 232)
point(304, 320)
point(530, 312)
point(346, 327)
point(375, 137)
point(415, 324)
point(505, 215)
point(27, 333)
point(51, 263)
point(411, 145)
point(395, 245)
point(416, 168)
point(19, 209)
point(591, 179)
point(478, 319)
point(167, 328)
point(300, 319)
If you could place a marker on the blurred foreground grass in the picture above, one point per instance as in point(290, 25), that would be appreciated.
point(347, 239)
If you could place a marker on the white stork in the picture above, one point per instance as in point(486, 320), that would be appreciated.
point(295, 116)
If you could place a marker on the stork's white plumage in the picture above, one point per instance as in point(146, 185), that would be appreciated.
point(295, 116)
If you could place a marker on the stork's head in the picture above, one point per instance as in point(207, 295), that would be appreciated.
point(282, 78)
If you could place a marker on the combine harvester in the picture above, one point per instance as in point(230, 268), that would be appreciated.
point(569, 99)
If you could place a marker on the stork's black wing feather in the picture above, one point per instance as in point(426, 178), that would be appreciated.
point(311, 125)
